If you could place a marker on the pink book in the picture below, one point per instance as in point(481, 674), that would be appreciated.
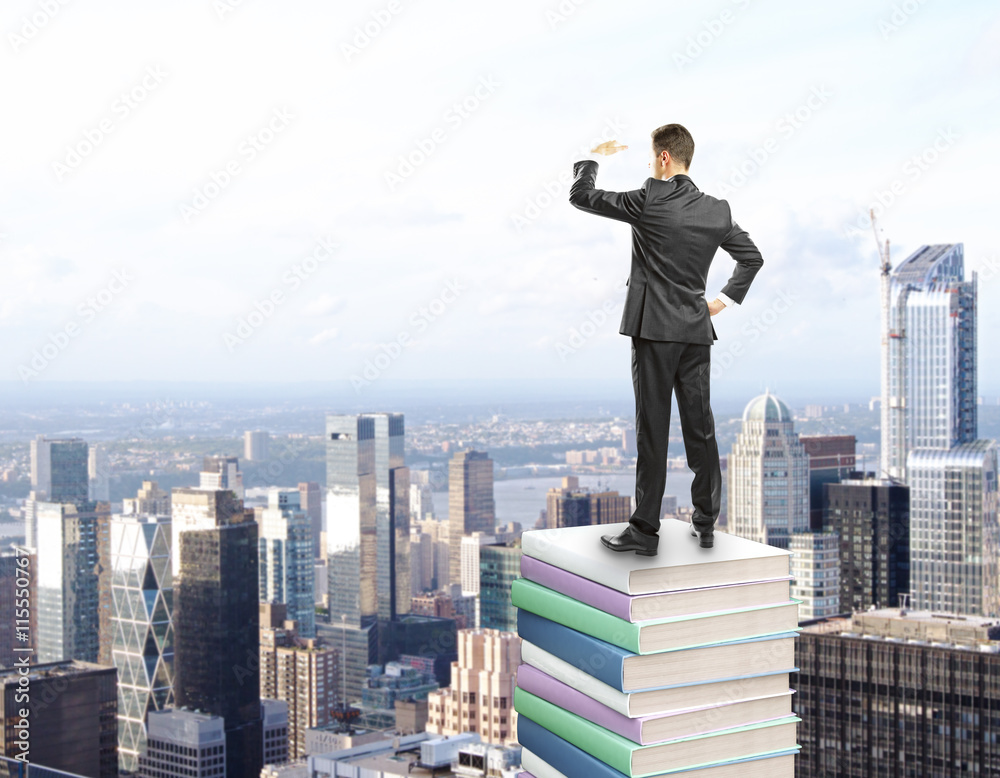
point(646, 730)
point(664, 605)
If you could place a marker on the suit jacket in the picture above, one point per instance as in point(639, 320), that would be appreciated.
point(676, 231)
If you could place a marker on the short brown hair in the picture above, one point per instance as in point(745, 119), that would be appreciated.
point(676, 140)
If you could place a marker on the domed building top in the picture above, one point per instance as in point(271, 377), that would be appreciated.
point(766, 407)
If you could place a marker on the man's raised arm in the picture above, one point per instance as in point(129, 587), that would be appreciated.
point(623, 206)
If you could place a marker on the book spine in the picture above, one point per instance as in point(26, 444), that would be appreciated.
point(544, 549)
point(574, 614)
point(553, 750)
point(565, 673)
point(548, 688)
point(594, 657)
point(579, 588)
point(614, 750)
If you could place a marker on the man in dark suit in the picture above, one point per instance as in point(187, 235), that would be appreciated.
point(676, 231)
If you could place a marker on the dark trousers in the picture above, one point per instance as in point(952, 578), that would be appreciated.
point(659, 366)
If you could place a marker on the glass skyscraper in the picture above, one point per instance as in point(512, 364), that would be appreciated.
point(929, 364)
point(286, 558)
point(142, 627)
point(471, 507)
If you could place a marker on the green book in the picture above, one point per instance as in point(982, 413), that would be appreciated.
point(637, 761)
point(655, 635)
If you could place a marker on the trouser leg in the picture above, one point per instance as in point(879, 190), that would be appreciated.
point(653, 366)
point(698, 427)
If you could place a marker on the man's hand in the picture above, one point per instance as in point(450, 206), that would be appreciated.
point(715, 306)
point(608, 148)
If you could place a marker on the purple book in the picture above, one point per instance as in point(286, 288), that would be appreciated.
point(665, 605)
point(646, 730)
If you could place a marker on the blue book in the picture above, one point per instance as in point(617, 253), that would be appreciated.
point(628, 671)
point(546, 755)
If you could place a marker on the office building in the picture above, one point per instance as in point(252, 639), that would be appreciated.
point(872, 518)
point(286, 558)
point(954, 545)
point(928, 356)
point(480, 698)
point(386, 686)
point(216, 619)
point(59, 474)
point(255, 445)
point(220, 472)
point(471, 507)
point(18, 605)
point(274, 715)
point(150, 500)
point(73, 581)
point(899, 695)
point(499, 565)
point(571, 506)
point(768, 473)
point(98, 474)
point(142, 627)
point(185, 744)
point(815, 570)
point(831, 459)
point(311, 501)
point(71, 717)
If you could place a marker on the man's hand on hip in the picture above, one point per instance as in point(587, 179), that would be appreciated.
point(715, 306)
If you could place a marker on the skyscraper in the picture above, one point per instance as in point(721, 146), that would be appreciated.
point(150, 500)
point(59, 474)
point(831, 459)
point(768, 475)
point(98, 473)
point(311, 501)
point(872, 518)
point(499, 565)
point(142, 627)
point(954, 544)
point(471, 507)
point(255, 445)
point(571, 506)
point(368, 516)
point(184, 743)
point(286, 566)
point(928, 355)
point(220, 472)
point(72, 573)
point(216, 619)
point(815, 569)
point(68, 709)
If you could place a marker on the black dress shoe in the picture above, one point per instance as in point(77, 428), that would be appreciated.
point(630, 539)
point(706, 538)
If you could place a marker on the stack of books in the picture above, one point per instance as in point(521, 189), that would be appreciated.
point(642, 667)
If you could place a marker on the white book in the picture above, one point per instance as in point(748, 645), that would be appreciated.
point(656, 702)
point(679, 564)
point(774, 767)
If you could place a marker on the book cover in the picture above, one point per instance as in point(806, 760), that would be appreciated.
point(680, 563)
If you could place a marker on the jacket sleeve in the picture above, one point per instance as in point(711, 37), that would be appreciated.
point(738, 245)
point(623, 206)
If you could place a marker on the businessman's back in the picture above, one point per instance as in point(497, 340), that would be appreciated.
point(676, 231)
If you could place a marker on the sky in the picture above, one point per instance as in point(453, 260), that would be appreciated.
point(252, 191)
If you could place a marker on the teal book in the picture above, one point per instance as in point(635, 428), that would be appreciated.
point(654, 635)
